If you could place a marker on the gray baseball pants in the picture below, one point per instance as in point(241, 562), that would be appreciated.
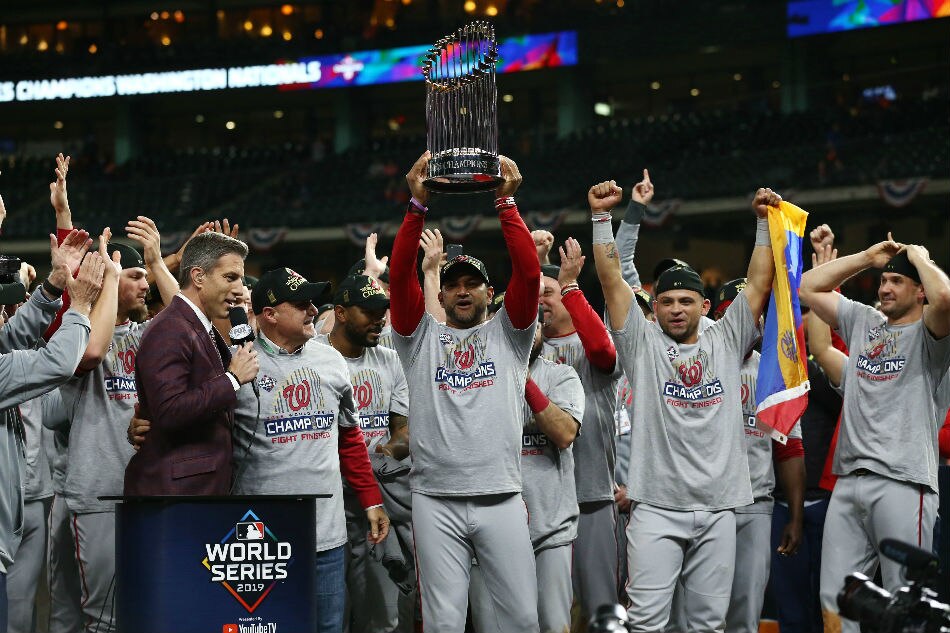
point(865, 509)
point(553, 571)
point(65, 591)
point(665, 545)
point(448, 533)
point(94, 534)
point(24, 575)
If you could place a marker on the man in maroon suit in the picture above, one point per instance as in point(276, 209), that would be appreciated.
point(183, 386)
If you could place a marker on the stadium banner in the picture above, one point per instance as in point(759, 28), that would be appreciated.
point(361, 68)
point(811, 17)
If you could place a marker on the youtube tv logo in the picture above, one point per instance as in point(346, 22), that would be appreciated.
point(229, 628)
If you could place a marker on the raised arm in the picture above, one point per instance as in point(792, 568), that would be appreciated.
point(373, 266)
point(628, 233)
point(144, 231)
point(936, 288)
point(103, 315)
point(598, 348)
point(432, 260)
point(58, 196)
point(618, 296)
point(819, 283)
point(521, 296)
point(543, 242)
point(761, 270)
point(26, 374)
point(407, 304)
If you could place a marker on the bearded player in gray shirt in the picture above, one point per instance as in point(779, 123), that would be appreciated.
point(689, 471)
point(465, 377)
point(886, 458)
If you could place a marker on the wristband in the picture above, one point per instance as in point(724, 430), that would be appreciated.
point(418, 206)
point(505, 202)
point(52, 290)
point(569, 288)
point(600, 216)
point(535, 397)
point(635, 211)
point(233, 375)
point(762, 237)
point(603, 231)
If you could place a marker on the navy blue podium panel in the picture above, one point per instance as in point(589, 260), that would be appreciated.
point(210, 564)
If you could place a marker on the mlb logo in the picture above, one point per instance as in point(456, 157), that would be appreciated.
point(249, 531)
point(229, 628)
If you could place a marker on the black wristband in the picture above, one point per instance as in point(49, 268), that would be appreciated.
point(635, 211)
point(233, 375)
point(52, 290)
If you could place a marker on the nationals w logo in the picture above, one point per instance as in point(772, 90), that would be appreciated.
point(363, 394)
point(465, 360)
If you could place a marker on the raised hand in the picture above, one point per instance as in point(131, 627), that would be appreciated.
point(3, 211)
point(66, 257)
point(765, 198)
point(416, 176)
point(85, 287)
point(512, 178)
point(432, 250)
point(643, 191)
point(882, 252)
point(604, 196)
point(917, 254)
point(543, 242)
point(572, 261)
point(57, 189)
point(223, 226)
point(373, 266)
point(144, 231)
point(821, 236)
point(113, 265)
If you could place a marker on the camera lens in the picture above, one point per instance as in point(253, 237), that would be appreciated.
point(861, 600)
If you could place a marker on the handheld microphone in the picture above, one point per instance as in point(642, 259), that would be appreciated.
point(241, 332)
point(919, 562)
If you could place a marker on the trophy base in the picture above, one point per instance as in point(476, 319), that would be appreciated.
point(463, 171)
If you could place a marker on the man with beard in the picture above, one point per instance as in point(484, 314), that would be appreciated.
point(99, 403)
point(305, 384)
point(576, 336)
point(382, 402)
point(464, 377)
point(886, 457)
point(688, 470)
point(547, 466)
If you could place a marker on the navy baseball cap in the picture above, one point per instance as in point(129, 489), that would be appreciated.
point(359, 268)
point(727, 294)
point(130, 257)
point(901, 265)
point(665, 264)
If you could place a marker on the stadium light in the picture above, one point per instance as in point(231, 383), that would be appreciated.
point(603, 109)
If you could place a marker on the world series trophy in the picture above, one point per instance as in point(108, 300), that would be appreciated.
point(462, 111)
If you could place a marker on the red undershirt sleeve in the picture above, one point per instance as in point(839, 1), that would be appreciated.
point(521, 296)
point(355, 466)
point(598, 347)
point(407, 304)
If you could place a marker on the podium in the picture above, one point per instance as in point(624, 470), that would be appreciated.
point(235, 564)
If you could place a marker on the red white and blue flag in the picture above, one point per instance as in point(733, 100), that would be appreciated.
point(782, 387)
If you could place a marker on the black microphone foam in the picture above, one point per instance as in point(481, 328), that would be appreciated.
point(241, 332)
point(908, 555)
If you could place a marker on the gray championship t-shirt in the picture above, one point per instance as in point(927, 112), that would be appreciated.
point(889, 421)
point(622, 422)
point(595, 450)
point(687, 453)
point(292, 448)
point(548, 471)
point(100, 404)
point(758, 442)
point(379, 387)
point(465, 393)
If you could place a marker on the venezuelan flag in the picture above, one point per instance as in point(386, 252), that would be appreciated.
point(782, 388)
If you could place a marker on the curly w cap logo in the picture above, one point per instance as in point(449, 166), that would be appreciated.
point(249, 561)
